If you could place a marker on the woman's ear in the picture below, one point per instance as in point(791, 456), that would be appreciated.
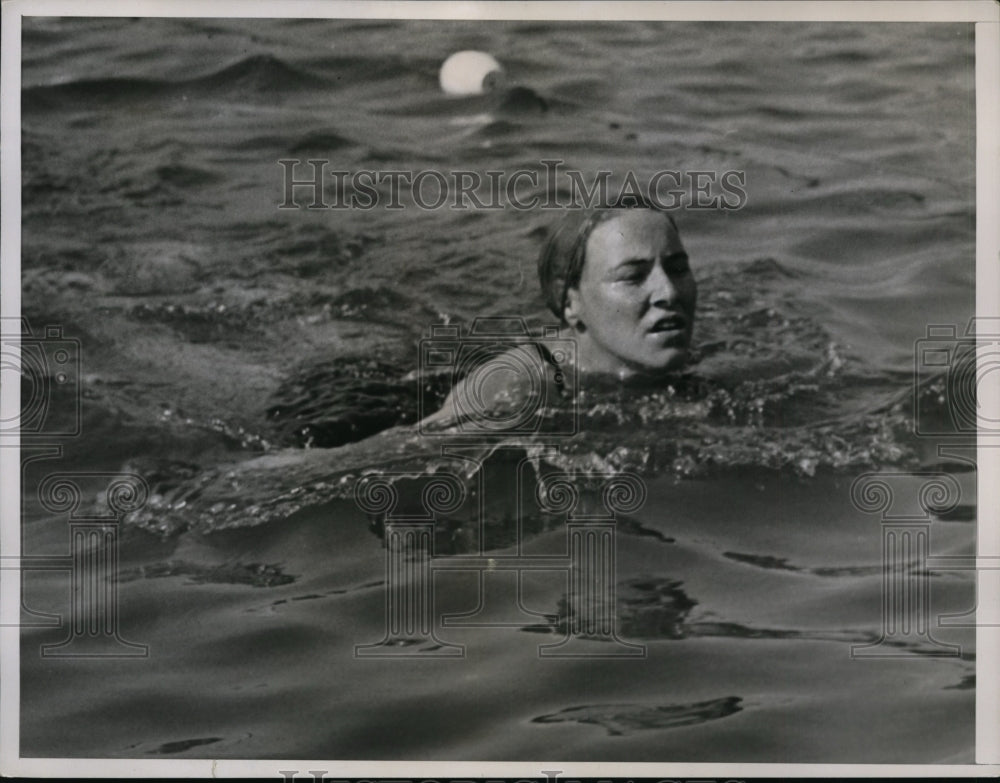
point(572, 310)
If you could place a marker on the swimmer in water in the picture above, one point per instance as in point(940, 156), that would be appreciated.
point(618, 279)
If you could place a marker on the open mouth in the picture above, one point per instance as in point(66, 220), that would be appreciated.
point(669, 323)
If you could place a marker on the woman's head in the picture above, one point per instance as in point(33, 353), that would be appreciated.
point(619, 276)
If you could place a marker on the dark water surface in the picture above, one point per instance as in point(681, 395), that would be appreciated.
point(236, 356)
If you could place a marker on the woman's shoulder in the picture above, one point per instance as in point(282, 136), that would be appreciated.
point(505, 380)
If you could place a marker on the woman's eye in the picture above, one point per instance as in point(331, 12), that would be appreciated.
point(635, 272)
point(676, 265)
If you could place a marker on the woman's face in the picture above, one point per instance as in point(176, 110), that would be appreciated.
point(633, 310)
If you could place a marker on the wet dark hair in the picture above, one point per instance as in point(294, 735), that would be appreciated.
point(560, 263)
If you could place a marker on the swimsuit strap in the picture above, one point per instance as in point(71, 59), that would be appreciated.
point(547, 355)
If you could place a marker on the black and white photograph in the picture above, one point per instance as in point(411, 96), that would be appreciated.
point(536, 388)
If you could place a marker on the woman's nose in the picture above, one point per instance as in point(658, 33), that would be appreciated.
point(664, 291)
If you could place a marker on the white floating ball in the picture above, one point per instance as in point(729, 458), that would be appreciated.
point(469, 73)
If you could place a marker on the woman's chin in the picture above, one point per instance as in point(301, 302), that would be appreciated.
point(649, 368)
point(666, 362)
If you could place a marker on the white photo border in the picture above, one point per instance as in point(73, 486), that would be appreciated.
point(985, 14)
